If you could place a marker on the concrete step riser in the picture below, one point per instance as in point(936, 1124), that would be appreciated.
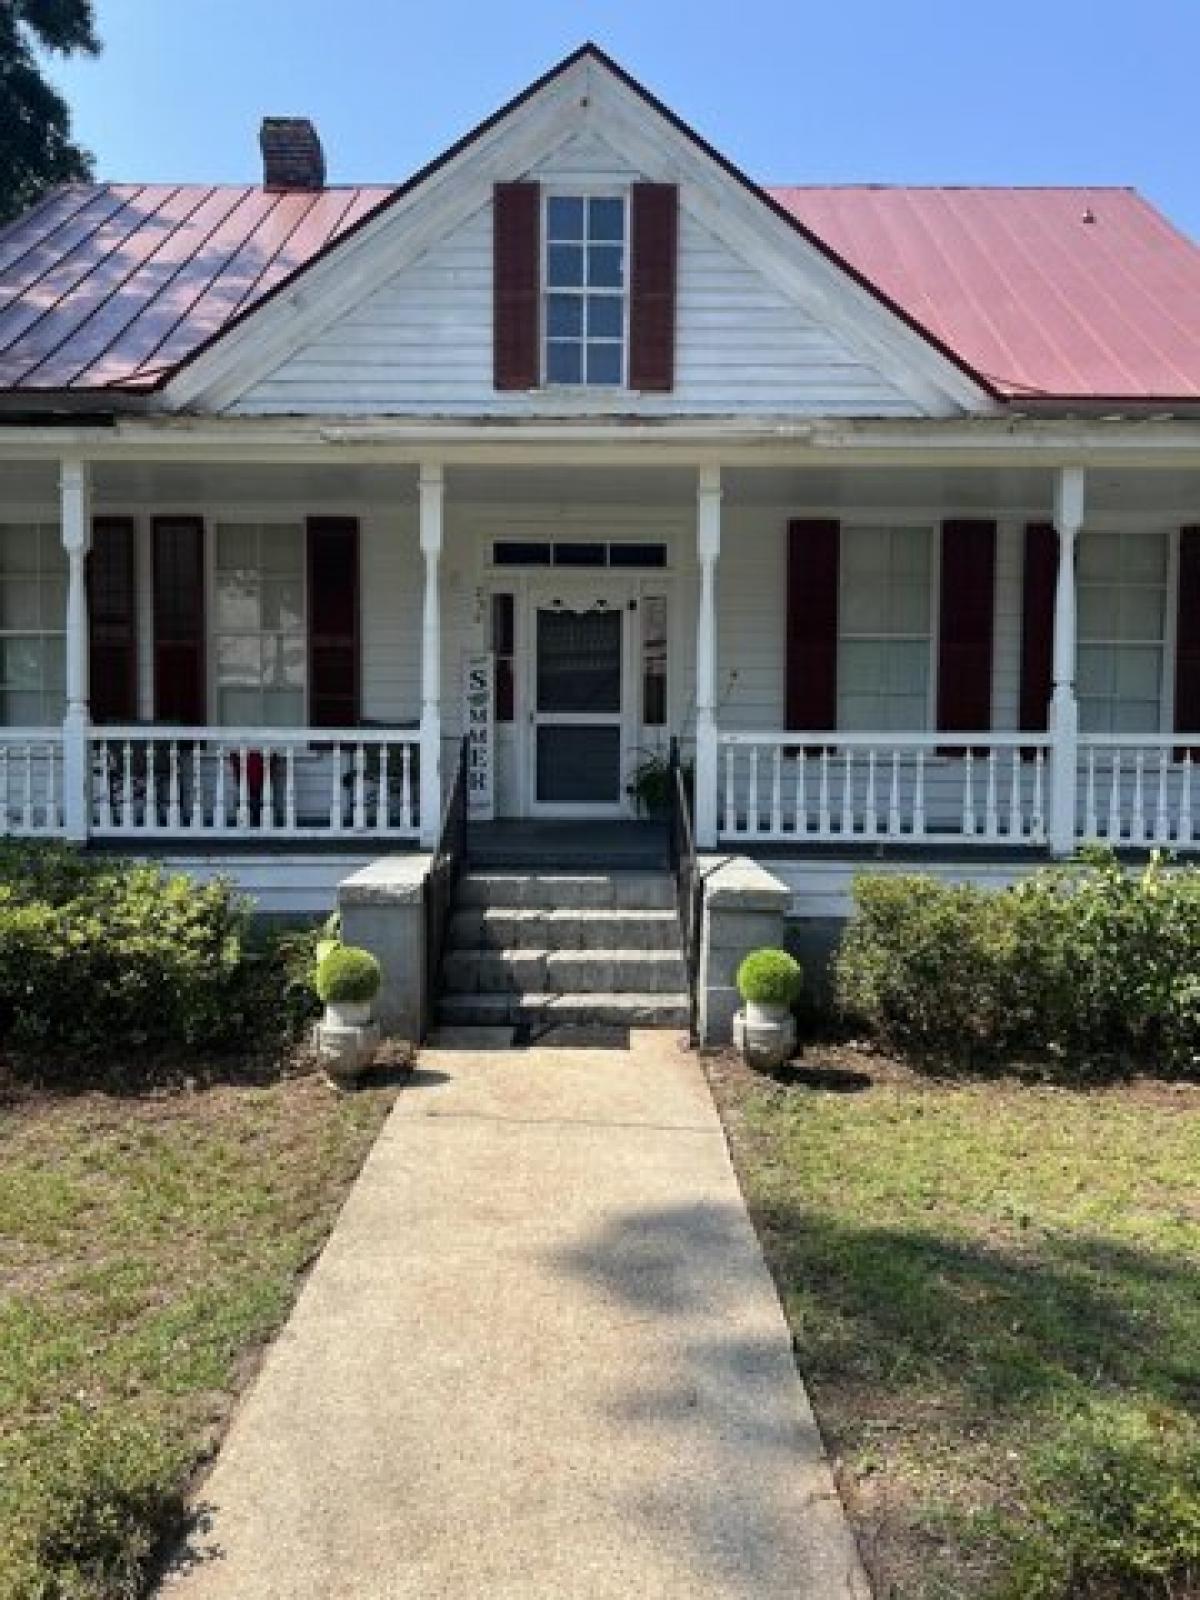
point(479, 929)
point(610, 972)
point(631, 891)
point(492, 1010)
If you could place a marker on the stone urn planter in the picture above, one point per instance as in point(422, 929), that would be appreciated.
point(347, 1037)
point(765, 1029)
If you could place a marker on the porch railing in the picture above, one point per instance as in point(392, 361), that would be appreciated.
point(1137, 790)
point(689, 890)
point(302, 783)
point(789, 787)
point(31, 781)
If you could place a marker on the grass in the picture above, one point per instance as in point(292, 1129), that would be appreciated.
point(994, 1291)
point(148, 1246)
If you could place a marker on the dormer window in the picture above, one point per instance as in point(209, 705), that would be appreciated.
point(585, 278)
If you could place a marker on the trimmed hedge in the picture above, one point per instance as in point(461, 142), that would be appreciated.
point(102, 958)
point(769, 978)
point(1087, 965)
point(347, 975)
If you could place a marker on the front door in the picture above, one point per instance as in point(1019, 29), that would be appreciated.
point(580, 701)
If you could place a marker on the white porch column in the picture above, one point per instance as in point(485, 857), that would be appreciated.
point(1064, 708)
point(76, 526)
point(432, 493)
point(708, 548)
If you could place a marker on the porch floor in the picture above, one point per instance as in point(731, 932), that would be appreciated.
point(526, 845)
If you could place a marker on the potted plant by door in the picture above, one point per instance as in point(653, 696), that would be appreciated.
point(769, 984)
point(347, 1037)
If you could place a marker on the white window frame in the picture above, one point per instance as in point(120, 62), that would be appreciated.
point(37, 526)
point(585, 193)
point(934, 530)
point(1168, 644)
point(213, 632)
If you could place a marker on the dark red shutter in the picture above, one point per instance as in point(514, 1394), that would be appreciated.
point(1187, 637)
point(516, 284)
point(112, 621)
point(654, 259)
point(179, 688)
point(333, 669)
point(1037, 624)
point(812, 625)
point(966, 626)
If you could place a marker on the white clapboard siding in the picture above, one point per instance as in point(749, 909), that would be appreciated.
point(423, 342)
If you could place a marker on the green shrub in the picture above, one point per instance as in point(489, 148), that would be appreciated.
point(769, 978)
point(1113, 1509)
point(347, 975)
point(1086, 965)
point(104, 961)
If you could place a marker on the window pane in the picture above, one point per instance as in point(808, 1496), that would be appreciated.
point(1096, 670)
point(909, 606)
point(1141, 613)
point(605, 269)
point(237, 546)
point(564, 217)
point(859, 713)
point(907, 668)
point(1099, 555)
point(864, 551)
point(604, 363)
point(26, 710)
point(564, 362)
point(239, 707)
point(237, 602)
point(283, 604)
point(606, 218)
point(1139, 672)
point(282, 545)
point(21, 663)
point(282, 708)
point(20, 603)
point(605, 316)
point(18, 548)
point(564, 316)
point(861, 667)
point(54, 664)
point(564, 266)
point(1144, 557)
point(910, 553)
point(239, 661)
point(1097, 611)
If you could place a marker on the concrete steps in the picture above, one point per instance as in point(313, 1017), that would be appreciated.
point(536, 949)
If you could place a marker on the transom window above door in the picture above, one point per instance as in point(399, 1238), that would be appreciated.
point(585, 289)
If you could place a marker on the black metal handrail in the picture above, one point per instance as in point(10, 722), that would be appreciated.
point(448, 859)
point(689, 887)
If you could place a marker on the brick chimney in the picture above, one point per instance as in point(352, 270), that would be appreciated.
point(292, 154)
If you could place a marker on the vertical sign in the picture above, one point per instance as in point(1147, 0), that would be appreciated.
point(479, 674)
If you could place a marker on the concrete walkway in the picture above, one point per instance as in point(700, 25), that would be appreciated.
point(540, 1357)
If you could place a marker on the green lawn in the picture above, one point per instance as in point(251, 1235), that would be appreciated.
point(148, 1245)
point(995, 1295)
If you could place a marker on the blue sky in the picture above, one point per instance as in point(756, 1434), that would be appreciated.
point(954, 91)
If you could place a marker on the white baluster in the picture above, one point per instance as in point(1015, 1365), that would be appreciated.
point(991, 816)
point(870, 819)
point(381, 788)
point(243, 788)
point(848, 790)
point(127, 787)
point(1162, 817)
point(752, 793)
point(220, 802)
point(406, 785)
point(52, 790)
point(150, 799)
point(1037, 815)
point(105, 803)
point(266, 810)
point(335, 789)
point(174, 814)
point(1114, 800)
point(968, 804)
point(5, 820)
point(1091, 822)
point(289, 788)
point(1138, 830)
point(801, 795)
point(777, 792)
point(27, 805)
point(1185, 800)
point(895, 821)
point(197, 772)
point(730, 819)
point(919, 797)
point(360, 788)
point(1016, 822)
point(823, 818)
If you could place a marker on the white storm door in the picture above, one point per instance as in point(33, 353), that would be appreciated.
point(580, 702)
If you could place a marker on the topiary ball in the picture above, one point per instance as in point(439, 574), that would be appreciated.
point(769, 978)
point(347, 975)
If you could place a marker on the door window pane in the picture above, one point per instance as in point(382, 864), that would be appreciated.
point(579, 661)
point(654, 661)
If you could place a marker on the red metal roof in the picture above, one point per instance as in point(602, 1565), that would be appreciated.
point(1044, 293)
point(1062, 294)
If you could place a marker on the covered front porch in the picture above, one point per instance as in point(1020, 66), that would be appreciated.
point(621, 598)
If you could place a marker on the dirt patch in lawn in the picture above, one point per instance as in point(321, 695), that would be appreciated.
point(149, 1246)
point(973, 1272)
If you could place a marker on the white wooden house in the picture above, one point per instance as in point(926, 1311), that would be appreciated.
point(884, 502)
